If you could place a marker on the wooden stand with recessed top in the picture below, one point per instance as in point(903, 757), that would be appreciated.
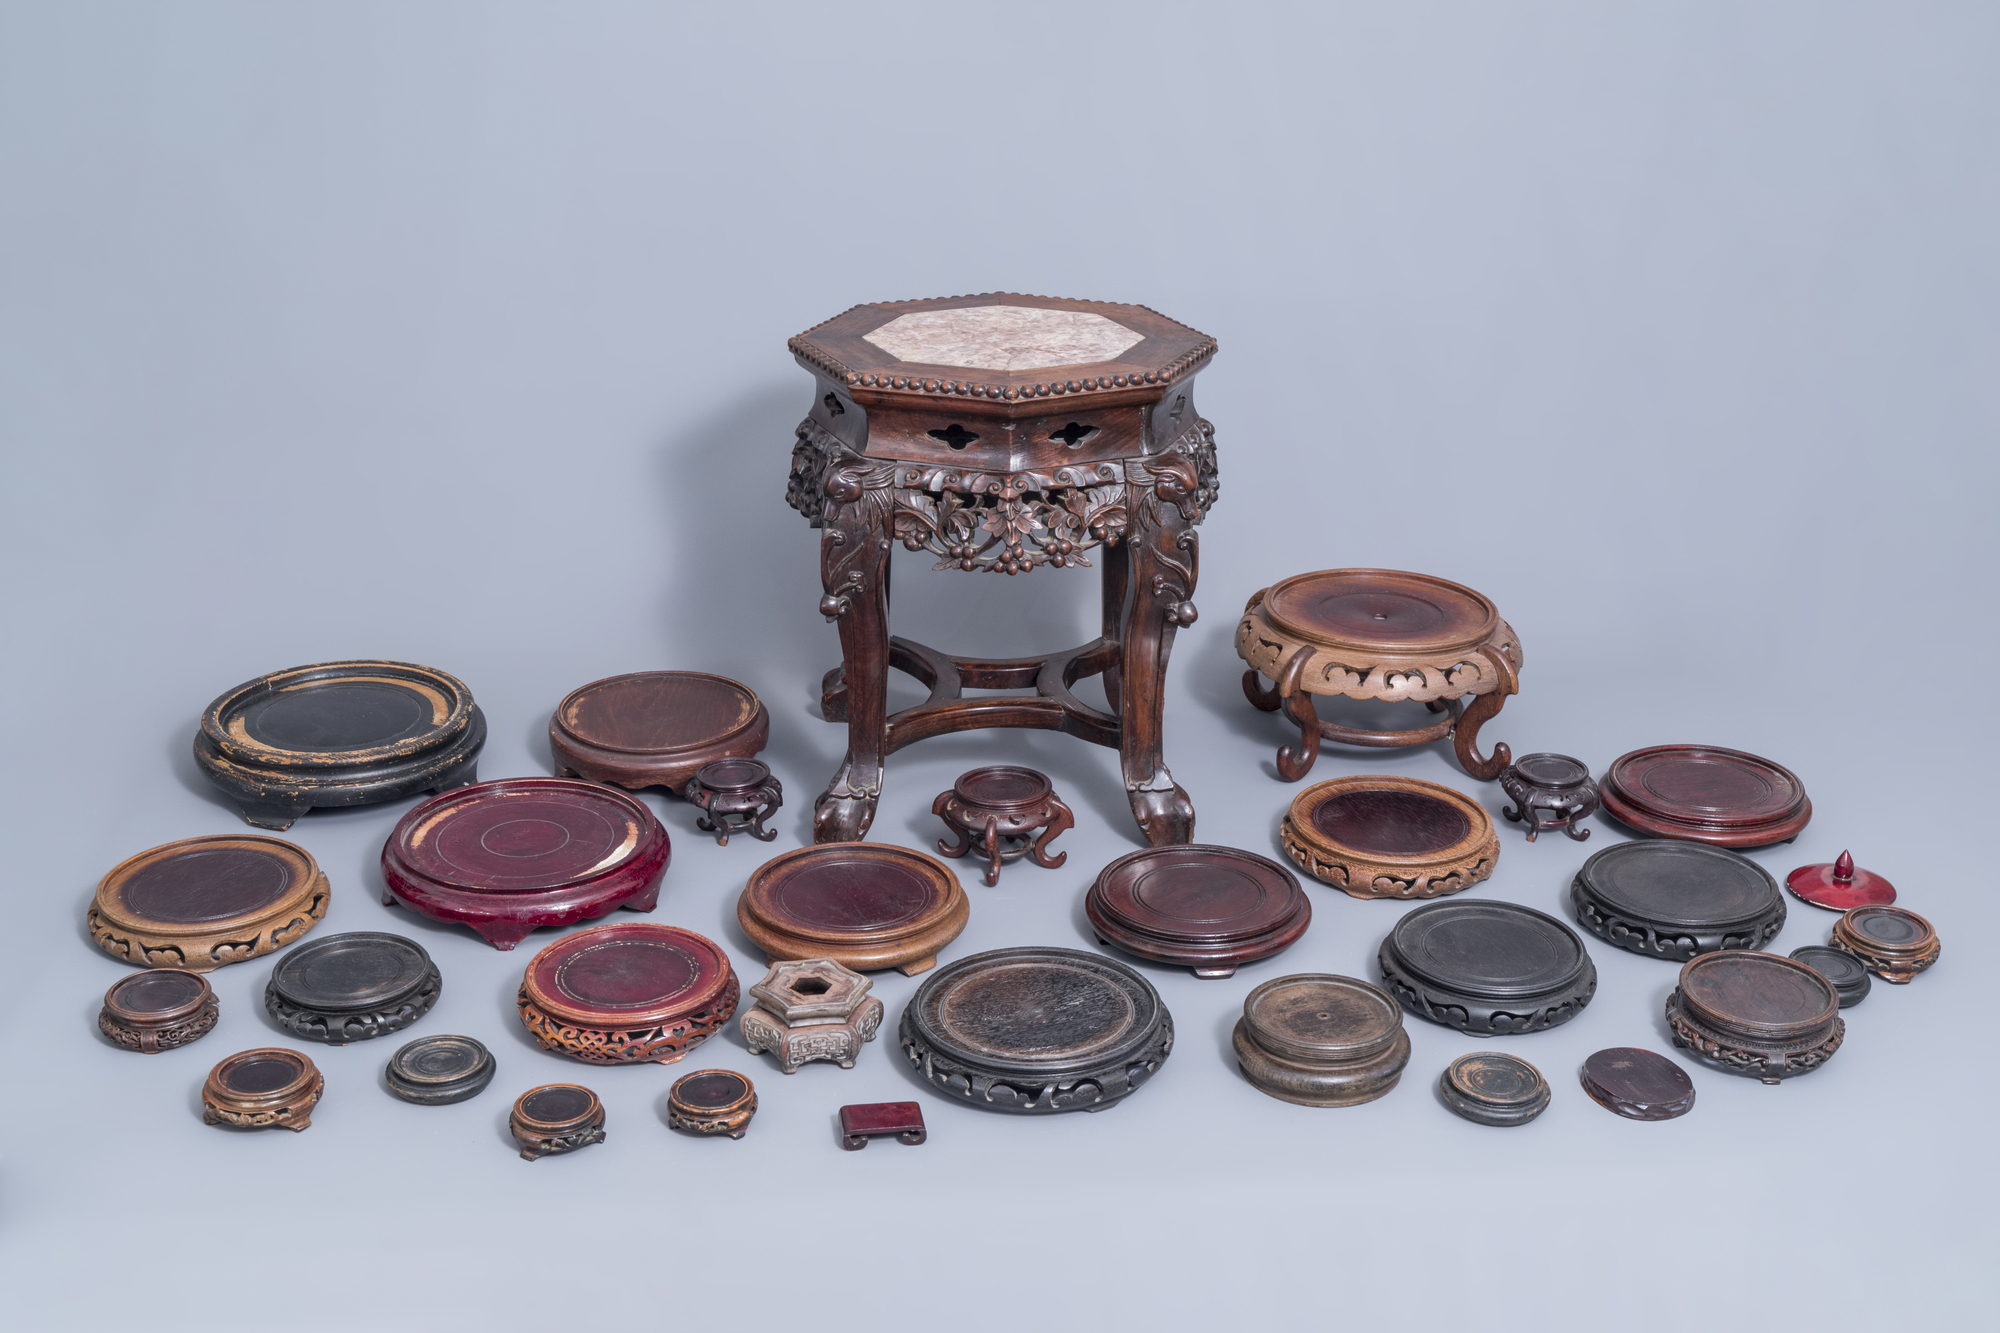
point(1009, 434)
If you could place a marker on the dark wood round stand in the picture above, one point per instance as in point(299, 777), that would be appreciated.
point(655, 728)
point(1848, 974)
point(440, 1070)
point(1638, 1084)
point(1379, 634)
point(734, 796)
point(352, 987)
point(1211, 909)
point(1005, 433)
point(1551, 791)
point(1488, 968)
point(338, 734)
point(1756, 1013)
point(1674, 900)
point(1703, 793)
point(1489, 1088)
point(1321, 1040)
point(1001, 810)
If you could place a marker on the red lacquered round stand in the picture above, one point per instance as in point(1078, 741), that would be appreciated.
point(626, 993)
point(506, 857)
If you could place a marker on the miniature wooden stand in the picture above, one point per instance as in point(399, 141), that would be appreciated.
point(440, 1070)
point(1379, 634)
point(712, 1101)
point(735, 796)
point(1637, 1084)
point(1321, 1040)
point(1892, 943)
point(1005, 433)
point(556, 1118)
point(1756, 1013)
point(1552, 791)
point(1488, 968)
point(868, 1120)
point(1839, 885)
point(1389, 837)
point(1036, 1031)
point(655, 728)
point(509, 857)
point(202, 903)
point(1000, 810)
point(1848, 974)
point(1674, 900)
point(627, 993)
point(866, 907)
point(158, 1010)
point(811, 1010)
point(1489, 1088)
point(269, 1088)
point(339, 734)
point(1703, 793)
point(352, 987)
point(1208, 908)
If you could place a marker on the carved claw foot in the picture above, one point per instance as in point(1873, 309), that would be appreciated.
point(1165, 817)
point(278, 817)
point(1259, 696)
point(842, 818)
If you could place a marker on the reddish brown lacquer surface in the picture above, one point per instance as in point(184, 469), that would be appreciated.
point(1706, 794)
point(634, 991)
point(1211, 908)
point(507, 857)
point(864, 905)
point(655, 728)
point(862, 1122)
point(1840, 885)
point(1383, 609)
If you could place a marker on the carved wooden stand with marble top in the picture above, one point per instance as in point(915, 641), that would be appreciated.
point(1003, 433)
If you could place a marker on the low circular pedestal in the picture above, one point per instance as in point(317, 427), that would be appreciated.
point(734, 796)
point(556, 1118)
point(1892, 943)
point(1848, 974)
point(1036, 1031)
point(338, 734)
point(1839, 885)
point(157, 1010)
point(1704, 793)
point(268, 1088)
point(1489, 1088)
point(628, 993)
point(1001, 810)
point(1674, 900)
point(1321, 1040)
point(1208, 908)
point(1637, 1084)
point(865, 905)
point(1756, 1013)
point(352, 987)
point(812, 1010)
point(440, 1070)
point(508, 857)
point(1390, 837)
point(1551, 791)
point(655, 728)
point(1488, 968)
point(202, 903)
point(712, 1101)
point(1379, 634)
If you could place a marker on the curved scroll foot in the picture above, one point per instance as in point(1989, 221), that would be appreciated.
point(1063, 820)
point(1254, 691)
point(1511, 815)
point(842, 818)
point(1579, 834)
point(1165, 817)
point(1465, 739)
point(1295, 763)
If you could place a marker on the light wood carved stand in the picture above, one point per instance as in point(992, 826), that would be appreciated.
point(1003, 433)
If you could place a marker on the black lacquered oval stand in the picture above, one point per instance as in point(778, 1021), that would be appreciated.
point(342, 988)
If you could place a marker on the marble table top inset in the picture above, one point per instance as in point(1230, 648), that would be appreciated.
point(1003, 337)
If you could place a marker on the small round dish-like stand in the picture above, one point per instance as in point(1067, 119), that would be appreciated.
point(1637, 1084)
point(202, 903)
point(1756, 1013)
point(1674, 900)
point(1036, 1031)
point(158, 1010)
point(1379, 634)
point(865, 905)
point(1389, 837)
point(1489, 1088)
point(1211, 909)
point(352, 987)
point(339, 734)
point(440, 1070)
point(1321, 1040)
point(556, 1118)
point(268, 1088)
point(1552, 791)
point(1001, 810)
point(1704, 793)
point(628, 993)
point(712, 1101)
point(1848, 974)
point(1892, 943)
point(1488, 968)
point(655, 728)
point(508, 857)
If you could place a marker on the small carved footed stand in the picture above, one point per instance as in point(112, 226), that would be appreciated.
point(735, 796)
point(1552, 791)
point(1000, 810)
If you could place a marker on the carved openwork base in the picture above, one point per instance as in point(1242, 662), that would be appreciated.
point(1006, 812)
point(337, 1029)
point(270, 1088)
point(712, 1101)
point(1771, 1063)
point(663, 1045)
point(735, 796)
point(839, 1042)
point(556, 1118)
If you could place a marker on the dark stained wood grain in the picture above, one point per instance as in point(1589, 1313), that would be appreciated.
point(1321, 1040)
point(158, 1010)
point(1550, 791)
point(556, 1118)
point(1674, 900)
point(1211, 909)
point(1489, 1088)
point(1757, 1014)
point(867, 1120)
point(352, 987)
point(866, 907)
point(1487, 967)
point(655, 728)
point(1893, 943)
point(1008, 812)
point(1848, 974)
point(712, 1101)
point(440, 1070)
point(1704, 793)
point(1637, 1084)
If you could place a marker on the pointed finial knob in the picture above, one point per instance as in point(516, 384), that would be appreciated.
point(1843, 867)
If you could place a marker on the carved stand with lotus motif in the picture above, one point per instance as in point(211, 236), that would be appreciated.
point(1005, 433)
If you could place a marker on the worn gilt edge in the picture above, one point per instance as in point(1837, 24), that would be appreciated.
point(1790, 1058)
point(661, 1043)
point(1362, 879)
point(1267, 648)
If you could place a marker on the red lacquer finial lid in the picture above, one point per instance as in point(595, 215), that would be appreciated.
point(1840, 885)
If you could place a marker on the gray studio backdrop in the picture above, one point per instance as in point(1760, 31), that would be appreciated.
point(456, 333)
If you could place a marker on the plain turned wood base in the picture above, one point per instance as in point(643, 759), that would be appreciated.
point(1330, 1084)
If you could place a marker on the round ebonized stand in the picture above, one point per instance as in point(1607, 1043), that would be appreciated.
point(1005, 434)
point(734, 796)
point(1674, 900)
point(1007, 813)
point(352, 987)
point(1551, 791)
point(1488, 967)
point(1321, 1040)
point(1756, 1013)
point(1489, 1088)
point(440, 1070)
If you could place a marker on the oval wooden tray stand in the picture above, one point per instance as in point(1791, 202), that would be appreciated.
point(1411, 838)
point(867, 906)
point(169, 907)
